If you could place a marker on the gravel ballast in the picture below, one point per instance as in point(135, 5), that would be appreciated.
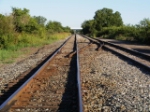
point(10, 72)
point(110, 84)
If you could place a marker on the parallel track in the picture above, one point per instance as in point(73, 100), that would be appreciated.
point(136, 57)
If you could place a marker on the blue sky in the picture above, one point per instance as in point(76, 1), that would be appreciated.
point(72, 13)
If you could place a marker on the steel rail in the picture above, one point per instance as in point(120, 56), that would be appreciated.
point(142, 55)
point(79, 80)
point(133, 52)
point(133, 60)
point(4, 105)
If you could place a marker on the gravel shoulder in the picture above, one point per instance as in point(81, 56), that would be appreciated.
point(10, 72)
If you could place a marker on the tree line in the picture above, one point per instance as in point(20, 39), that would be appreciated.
point(18, 27)
point(108, 24)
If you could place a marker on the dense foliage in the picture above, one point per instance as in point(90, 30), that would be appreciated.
point(19, 29)
point(103, 18)
point(109, 24)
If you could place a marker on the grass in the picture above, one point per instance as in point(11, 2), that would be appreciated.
point(7, 56)
point(13, 49)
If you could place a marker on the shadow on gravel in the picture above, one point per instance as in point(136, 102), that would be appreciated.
point(146, 51)
point(70, 97)
point(124, 42)
point(69, 101)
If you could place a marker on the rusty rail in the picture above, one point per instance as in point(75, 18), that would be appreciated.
point(9, 101)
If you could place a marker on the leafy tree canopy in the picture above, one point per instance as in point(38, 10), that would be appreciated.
point(40, 20)
point(87, 26)
point(105, 18)
point(145, 23)
point(54, 26)
point(21, 18)
point(67, 29)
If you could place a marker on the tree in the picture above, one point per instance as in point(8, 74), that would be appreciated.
point(66, 29)
point(32, 26)
point(21, 18)
point(103, 18)
point(54, 26)
point(40, 20)
point(6, 31)
point(6, 24)
point(106, 18)
point(87, 25)
point(145, 30)
point(23, 22)
point(145, 23)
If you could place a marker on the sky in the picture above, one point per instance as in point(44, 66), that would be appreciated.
point(73, 13)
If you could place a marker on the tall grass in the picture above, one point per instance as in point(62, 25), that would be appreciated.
point(11, 45)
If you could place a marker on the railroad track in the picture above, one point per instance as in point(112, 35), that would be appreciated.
point(139, 58)
point(54, 87)
point(74, 80)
